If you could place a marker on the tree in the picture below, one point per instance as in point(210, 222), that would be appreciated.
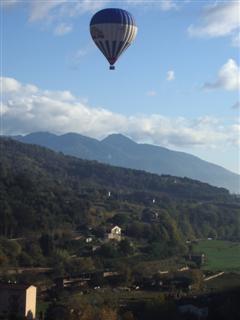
point(47, 244)
point(128, 315)
point(108, 250)
point(120, 219)
point(7, 220)
point(197, 279)
point(10, 249)
point(57, 311)
point(107, 314)
point(125, 247)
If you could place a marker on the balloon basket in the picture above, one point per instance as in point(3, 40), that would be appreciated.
point(111, 68)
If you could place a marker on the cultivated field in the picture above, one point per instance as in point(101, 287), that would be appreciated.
point(221, 255)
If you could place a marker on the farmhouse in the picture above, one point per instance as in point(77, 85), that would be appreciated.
point(114, 233)
point(18, 300)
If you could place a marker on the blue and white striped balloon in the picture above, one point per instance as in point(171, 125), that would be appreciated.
point(113, 30)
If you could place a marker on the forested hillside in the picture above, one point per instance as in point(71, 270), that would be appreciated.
point(41, 190)
point(121, 151)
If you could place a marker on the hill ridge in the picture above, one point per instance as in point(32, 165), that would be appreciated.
point(119, 150)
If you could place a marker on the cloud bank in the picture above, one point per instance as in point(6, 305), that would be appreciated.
point(40, 10)
point(56, 14)
point(27, 108)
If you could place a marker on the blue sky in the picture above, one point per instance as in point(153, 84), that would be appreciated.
point(176, 86)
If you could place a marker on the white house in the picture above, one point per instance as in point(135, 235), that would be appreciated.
point(114, 234)
point(19, 300)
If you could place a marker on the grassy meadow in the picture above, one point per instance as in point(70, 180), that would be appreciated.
point(220, 255)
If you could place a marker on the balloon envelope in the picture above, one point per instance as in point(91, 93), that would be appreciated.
point(113, 30)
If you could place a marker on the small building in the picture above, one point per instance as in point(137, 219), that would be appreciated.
point(18, 299)
point(114, 233)
point(199, 259)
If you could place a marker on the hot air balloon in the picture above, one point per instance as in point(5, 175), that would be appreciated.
point(113, 30)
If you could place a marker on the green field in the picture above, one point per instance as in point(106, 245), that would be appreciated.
point(220, 255)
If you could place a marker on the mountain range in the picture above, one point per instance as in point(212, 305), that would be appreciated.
point(119, 150)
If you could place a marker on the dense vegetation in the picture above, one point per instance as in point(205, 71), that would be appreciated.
point(50, 204)
point(47, 197)
point(41, 189)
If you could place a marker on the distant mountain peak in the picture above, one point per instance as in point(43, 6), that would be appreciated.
point(118, 138)
point(42, 134)
point(120, 150)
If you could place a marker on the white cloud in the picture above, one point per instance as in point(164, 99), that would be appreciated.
point(170, 75)
point(62, 29)
point(167, 5)
point(83, 6)
point(27, 108)
point(9, 3)
point(40, 10)
point(74, 60)
point(151, 93)
point(9, 85)
point(228, 77)
point(54, 9)
point(50, 10)
point(54, 15)
point(164, 5)
point(81, 53)
point(236, 135)
point(58, 95)
point(218, 20)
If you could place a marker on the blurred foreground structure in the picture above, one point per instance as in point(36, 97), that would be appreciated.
point(18, 300)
